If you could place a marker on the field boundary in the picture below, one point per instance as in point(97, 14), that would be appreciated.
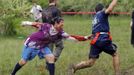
point(92, 13)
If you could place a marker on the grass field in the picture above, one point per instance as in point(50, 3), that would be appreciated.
point(11, 47)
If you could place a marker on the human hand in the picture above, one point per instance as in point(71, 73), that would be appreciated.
point(88, 37)
point(24, 23)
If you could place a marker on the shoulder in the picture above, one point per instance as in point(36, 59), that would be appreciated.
point(46, 25)
point(103, 13)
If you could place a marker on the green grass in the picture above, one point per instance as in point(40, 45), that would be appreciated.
point(74, 52)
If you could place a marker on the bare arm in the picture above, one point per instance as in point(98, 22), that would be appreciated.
point(76, 37)
point(28, 23)
point(111, 6)
point(81, 38)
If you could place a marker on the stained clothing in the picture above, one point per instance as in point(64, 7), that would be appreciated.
point(101, 41)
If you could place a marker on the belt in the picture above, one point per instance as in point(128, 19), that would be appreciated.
point(93, 41)
point(104, 32)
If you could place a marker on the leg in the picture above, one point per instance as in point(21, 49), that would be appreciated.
point(84, 64)
point(18, 66)
point(112, 50)
point(27, 54)
point(58, 49)
point(51, 46)
point(50, 63)
point(49, 60)
point(93, 55)
point(116, 64)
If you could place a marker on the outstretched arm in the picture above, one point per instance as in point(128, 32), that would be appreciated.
point(34, 24)
point(81, 38)
point(111, 6)
point(76, 37)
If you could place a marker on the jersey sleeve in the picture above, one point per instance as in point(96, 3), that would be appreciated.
point(104, 14)
point(79, 38)
point(65, 35)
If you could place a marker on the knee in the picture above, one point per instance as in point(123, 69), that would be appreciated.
point(22, 62)
point(50, 58)
point(91, 62)
point(115, 54)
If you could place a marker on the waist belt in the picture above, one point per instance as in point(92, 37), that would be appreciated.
point(93, 41)
point(104, 32)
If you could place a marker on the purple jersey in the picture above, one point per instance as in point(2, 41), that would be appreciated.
point(46, 34)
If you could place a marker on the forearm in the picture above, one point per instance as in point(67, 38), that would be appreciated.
point(28, 23)
point(79, 38)
point(111, 6)
point(71, 39)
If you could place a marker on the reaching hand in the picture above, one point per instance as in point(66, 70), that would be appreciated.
point(88, 37)
point(24, 23)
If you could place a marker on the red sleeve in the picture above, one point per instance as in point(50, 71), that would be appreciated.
point(79, 38)
point(36, 26)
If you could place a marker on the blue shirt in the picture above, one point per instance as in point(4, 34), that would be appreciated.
point(100, 22)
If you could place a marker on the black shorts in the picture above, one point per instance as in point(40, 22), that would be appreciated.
point(102, 46)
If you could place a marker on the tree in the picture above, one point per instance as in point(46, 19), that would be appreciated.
point(10, 10)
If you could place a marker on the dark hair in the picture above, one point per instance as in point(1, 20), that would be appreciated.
point(57, 20)
point(51, 1)
point(133, 14)
point(99, 7)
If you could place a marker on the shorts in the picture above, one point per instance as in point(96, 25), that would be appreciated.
point(30, 53)
point(58, 48)
point(102, 45)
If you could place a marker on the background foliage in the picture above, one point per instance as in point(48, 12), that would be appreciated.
point(88, 5)
point(14, 11)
